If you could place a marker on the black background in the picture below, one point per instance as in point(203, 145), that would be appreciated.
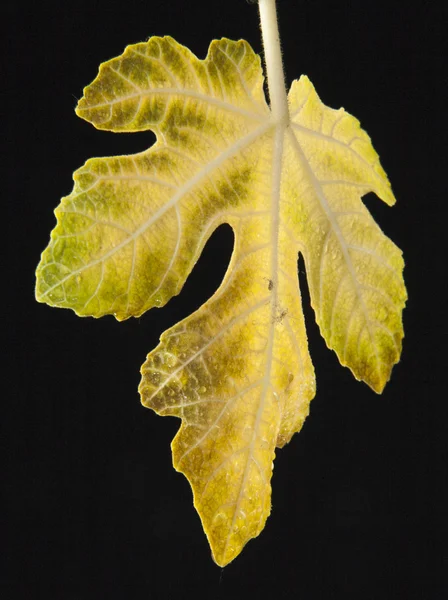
point(93, 506)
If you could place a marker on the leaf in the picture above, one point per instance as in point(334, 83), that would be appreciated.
point(237, 371)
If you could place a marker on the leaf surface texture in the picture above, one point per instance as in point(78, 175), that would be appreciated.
point(237, 371)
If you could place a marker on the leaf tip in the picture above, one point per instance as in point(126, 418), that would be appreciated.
point(80, 107)
point(378, 385)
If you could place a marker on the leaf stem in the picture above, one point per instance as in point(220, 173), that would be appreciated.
point(273, 59)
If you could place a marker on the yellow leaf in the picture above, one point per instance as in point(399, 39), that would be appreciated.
point(238, 371)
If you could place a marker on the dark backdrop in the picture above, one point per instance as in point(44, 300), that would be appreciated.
point(93, 507)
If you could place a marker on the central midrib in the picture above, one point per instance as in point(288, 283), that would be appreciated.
point(266, 381)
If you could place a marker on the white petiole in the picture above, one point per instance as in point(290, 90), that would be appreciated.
point(273, 59)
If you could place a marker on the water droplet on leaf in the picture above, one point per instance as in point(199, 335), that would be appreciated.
point(171, 360)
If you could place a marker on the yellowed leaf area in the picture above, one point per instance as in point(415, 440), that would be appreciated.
point(237, 371)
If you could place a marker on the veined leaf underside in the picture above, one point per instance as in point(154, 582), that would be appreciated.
point(237, 371)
